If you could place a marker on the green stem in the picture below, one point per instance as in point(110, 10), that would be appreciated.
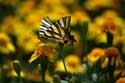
point(64, 65)
point(19, 76)
point(44, 65)
point(43, 77)
point(62, 57)
point(20, 80)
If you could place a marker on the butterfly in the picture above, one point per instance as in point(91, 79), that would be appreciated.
point(58, 32)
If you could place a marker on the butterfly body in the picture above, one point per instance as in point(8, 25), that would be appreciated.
point(58, 31)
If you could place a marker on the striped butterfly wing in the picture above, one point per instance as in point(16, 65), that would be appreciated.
point(48, 31)
point(56, 32)
point(64, 24)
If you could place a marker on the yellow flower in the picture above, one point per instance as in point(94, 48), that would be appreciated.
point(33, 75)
point(79, 16)
point(95, 55)
point(51, 2)
point(95, 33)
point(101, 38)
point(43, 50)
point(121, 80)
point(6, 45)
point(111, 54)
point(8, 24)
point(54, 9)
point(26, 7)
point(118, 71)
point(33, 19)
point(73, 64)
point(109, 21)
point(94, 4)
point(69, 1)
point(12, 25)
point(9, 67)
point(120, 39)
point(92, 33)
point(57, 12)
point(27, 41)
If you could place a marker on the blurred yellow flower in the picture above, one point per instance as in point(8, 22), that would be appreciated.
point(33, 19)
point(53, 9)
point(95, 55)
point(73, 64)
point(119, 40)
point(79, 16)
point(8, 24)
point(92, 33)
point(9, 67)
point(101, 38)
point(57, 12)
point(33, 75)
point(14, 26)
point(94, 4)
point(43, 50)
point(27, 41)
point(6, 45)
point(25, 7)
point(109, 21)
point(118, 71)
point(51, 3)
point(111, 54)
point(68, 1)
point(96, 34)
point(121, 80)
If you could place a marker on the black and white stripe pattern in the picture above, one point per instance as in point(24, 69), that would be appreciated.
point(55, 31)
point(65, 23)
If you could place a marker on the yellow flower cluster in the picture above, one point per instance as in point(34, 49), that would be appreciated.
point(19, 29)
